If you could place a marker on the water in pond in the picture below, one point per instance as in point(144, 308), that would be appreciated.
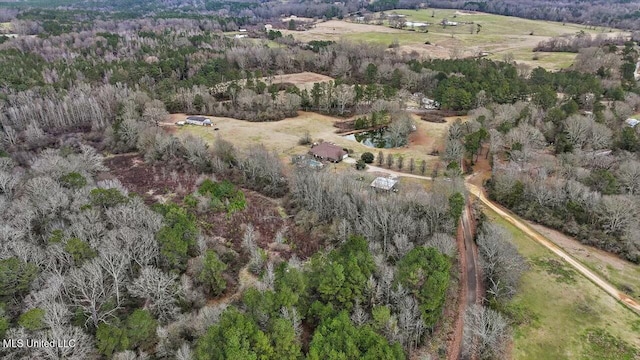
point(374, 139)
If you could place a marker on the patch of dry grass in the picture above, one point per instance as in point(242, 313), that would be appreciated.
point(282, 136)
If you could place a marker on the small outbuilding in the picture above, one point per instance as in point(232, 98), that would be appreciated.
point(329, 152)
point(632, 122)
point(385, 184)
point(198, 120)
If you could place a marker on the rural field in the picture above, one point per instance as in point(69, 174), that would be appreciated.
point(282, 136)
point(622, 274)
point(561, 315)
point(302, 80)
point(499, 35)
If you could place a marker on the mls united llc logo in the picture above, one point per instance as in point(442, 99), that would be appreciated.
point(38, 343)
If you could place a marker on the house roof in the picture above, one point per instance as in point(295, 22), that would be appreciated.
point(384, 183)
point(329, 151)
point(197, 118)
point(632, 122)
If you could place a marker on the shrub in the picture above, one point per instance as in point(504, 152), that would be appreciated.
point(141, 329)
point(32, 319)
point(305, 139)
point(15, 276)
point(360, 165)
point(211, 273)
point(367, 157)
point(73, 180)
point(79, 250)
point(107, 197)
point(111, 339)
point(223, 195)
point(178, 237)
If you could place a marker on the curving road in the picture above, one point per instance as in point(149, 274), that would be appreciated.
point(512, 219)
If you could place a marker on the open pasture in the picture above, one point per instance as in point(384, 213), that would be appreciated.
point(498, 36)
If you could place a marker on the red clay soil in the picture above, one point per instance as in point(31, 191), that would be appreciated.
point(418, 138)
point(150, 181)
point(454, 348)
point(155, 181)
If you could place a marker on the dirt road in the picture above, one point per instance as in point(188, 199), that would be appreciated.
point(469, 277)
point(377, 169)
point(505, 214)
point(469, 270)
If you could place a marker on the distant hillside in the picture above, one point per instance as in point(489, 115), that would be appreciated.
point(612, 13)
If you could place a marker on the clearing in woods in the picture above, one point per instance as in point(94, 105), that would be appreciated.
point(559, 314)
point(282, 136)
point(302, 80)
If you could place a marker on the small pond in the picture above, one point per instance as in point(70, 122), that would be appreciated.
point(373, 138)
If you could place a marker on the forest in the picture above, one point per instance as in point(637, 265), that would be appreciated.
point(142, 244)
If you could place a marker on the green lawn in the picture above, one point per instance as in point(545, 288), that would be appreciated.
point(499, 35)
point(494, 24)
point(564, 316)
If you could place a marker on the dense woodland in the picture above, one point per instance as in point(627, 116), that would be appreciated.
point(215, 252)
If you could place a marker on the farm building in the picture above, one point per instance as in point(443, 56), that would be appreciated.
point(198, 120)
point(385, 184)
point(415, 24)
point(632, 122)
point(329, 152)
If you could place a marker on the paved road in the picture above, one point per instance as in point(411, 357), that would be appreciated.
point(505, 214)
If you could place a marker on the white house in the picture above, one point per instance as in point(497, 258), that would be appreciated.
point(415, 24)
point(430, 104)
point(199, 120)
point(386, 184)
point(632, 122)
point(240, 36)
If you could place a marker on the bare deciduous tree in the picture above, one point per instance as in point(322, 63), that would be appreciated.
point(486, 333)
point(89, 290)
point(617, 212)
point(159, 291)
point(629, 176)
point(502, 264)
point(155, 112)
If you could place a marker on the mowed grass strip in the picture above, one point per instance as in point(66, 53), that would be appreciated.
point(558, 310)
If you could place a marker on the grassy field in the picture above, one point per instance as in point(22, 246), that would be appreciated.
point(622, 274)
point(282, 136)
point(499, 35)
point(561, 315)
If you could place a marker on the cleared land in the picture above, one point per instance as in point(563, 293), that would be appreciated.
point(337, 29)
point(557, 309)
point(303, 80)
point(282, 136)
point(499, 35)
